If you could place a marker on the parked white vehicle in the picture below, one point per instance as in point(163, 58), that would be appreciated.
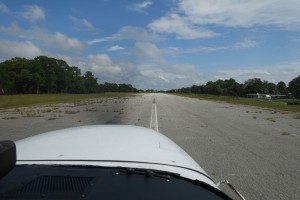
point(106, 162)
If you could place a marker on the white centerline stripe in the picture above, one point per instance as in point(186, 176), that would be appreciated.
point(153, 120)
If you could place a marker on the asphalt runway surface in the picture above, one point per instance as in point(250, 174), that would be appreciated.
point(257, 150)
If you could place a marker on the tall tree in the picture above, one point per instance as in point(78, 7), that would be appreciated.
point(294, 87)
point(90, 82)
point(253, 86)
point(213, 88)
point(272, 88)
point(231, 87)
point(281, 88)
point(2, 85)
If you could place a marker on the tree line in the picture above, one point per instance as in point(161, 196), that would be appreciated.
point(252, 86)
point(49, 75)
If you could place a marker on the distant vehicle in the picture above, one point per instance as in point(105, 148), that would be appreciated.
point(268, 97)
point(265, 96)
point(102, 162)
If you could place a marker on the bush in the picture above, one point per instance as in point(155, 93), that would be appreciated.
point(294, 103)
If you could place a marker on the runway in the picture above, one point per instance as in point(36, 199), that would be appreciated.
point(256, 149)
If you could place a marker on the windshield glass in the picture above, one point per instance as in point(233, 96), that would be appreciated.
point(67, 182)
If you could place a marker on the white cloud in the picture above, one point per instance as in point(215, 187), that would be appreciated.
point(237, 13)
point(57, 40)
point(173, 48)
point(33, 13)
point(26, 49)
point(12, 30)
point(127, 33)
point(99, 40)
point(152, 71)
point(206, 49)
point(190, 19)
point(156, 73)
point(144, 4)
point(66, 42)
point(168, 76)
point(140, 7)
point(147, 70)
point(175, 24)
point(105, 68)
point(3, 8)
point(87, 24)
point(147, 51)
point(116, 48)
point(164, 78)
point(282, 72)
point(135, 34)
point(82, 22)
point(244, 44)
point(102, 63)
point(241, 74)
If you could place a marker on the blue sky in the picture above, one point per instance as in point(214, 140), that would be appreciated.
point(158, 44)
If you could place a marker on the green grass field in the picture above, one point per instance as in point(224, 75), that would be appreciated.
point(13, 101)
point(275, 104)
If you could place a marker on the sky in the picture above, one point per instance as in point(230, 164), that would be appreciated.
point(158, 44)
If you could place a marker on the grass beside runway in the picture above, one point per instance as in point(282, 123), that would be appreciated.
point(14, 101)
point(275, 104)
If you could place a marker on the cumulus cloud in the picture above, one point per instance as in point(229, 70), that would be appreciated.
point(190, 18)
point(115, 48)
point(57, 40)
point(65, 42)
point(102, 63)
point(13, 30)
point(281, 72)
point(175, 24)
point(160, 74)
point(33, 13)
point(167, 76)
point(157, 73)
point(106, 69)
point(140, 7)
point(147, 70)
point(236, 13)
point(135, 34)
point(82, 22)
point(26, 49)
point(147, 51)
point(152, 71)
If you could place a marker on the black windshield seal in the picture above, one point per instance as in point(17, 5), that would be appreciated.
point(118, 161)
